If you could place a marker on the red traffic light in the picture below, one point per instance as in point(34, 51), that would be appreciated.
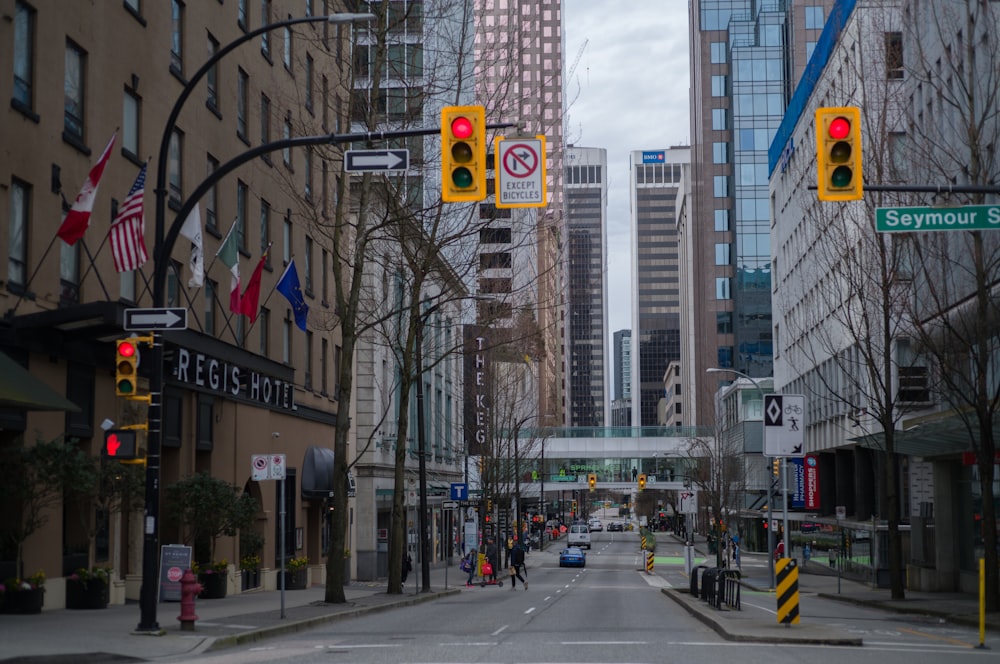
point(126, 348)
point(839, 128)
point(461, 127)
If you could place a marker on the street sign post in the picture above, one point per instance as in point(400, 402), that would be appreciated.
point(449, 505)
point(961, 218)
point(520, 169)
point(143, 320)
point(371, 161)
point(784, 425)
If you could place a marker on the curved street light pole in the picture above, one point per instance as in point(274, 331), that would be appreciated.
point(161, 254)
point(763, 434)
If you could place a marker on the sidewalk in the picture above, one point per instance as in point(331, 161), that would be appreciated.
point(103, 636)
point(815, 579)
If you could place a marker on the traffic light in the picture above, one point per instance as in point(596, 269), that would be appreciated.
point(120, 444)
point(642, 481)
point(574, 507)
point(126, 367)
point(592, 481)
point(463, 153)
point(838, 153)
point(776, 466)
point(765, 524)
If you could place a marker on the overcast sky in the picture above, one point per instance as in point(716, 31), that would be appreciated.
point(629, 92)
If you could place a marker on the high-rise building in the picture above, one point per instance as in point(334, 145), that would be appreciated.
point(587, 380)
point(746, 58)
point(621, 404)
point(655, 179)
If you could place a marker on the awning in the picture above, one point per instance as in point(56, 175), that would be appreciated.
point(317, 473)
point(937, 435)
point(22, 391)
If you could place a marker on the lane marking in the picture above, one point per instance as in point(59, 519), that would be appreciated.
point(946, 639)
point(497, 632)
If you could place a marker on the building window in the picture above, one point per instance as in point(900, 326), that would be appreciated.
point(286, 341)
point(211, 218)
point(286, 133)
point(242, 104)
point(265, 123)
point(24, 56)
point(286, 54)
point(718, 53)
point(242, 193)
point(133, 6)
point(722, 253)
point(308, 377)
point(894, 55)
point(810, 47)
point(324, 277)
point(814, 18)
point(720, 186)
point(17, 243)
point(265, 229)
point(69, 273)
point(719, 119)
point(212, 77)
point(286, 238)
point(307, 266)
point(177, 37)
point(489, 261)
point(724, 322)
point(308, 175)
point(337, 352)
point(210, 296)
point(174, 162)
point(722, 221)
point(720, 153)
point(309, 83)
point(73, 88)
point(719, 86)
point(130, 124)
point(722, 288)
point(324, 366)
point(265, 37)
point(263, 325)
point(241, 15)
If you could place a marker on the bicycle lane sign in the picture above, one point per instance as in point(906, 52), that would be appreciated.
point(784, 425)
point(520, 172)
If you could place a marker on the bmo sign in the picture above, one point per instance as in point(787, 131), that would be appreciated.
point(812, 482)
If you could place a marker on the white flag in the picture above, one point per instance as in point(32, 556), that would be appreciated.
point(192, 231)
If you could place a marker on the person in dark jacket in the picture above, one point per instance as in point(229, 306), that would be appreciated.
point(407, 566)
point(492, 555)
point(516, 565)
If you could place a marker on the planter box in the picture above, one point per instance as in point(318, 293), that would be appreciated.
point(213, 586)
point(24, 601)
point(80, 595)
point(250, 579)
point(296, 580)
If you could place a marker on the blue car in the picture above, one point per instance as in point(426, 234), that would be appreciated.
point(572, 556)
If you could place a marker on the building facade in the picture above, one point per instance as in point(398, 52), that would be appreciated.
point(587, 360)
point(655, 176)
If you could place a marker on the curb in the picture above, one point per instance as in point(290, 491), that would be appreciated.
point(252, 636)
point(720, 627)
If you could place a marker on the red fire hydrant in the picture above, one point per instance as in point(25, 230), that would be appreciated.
point(190, 588)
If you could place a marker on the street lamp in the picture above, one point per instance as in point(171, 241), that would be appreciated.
point(164, 242)
point(763, 434)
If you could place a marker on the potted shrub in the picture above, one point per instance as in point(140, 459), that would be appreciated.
point(296, 575)
point(24, 595)
point(214, 579)
point(87, 588)
point(251, 545)
point(206, 508)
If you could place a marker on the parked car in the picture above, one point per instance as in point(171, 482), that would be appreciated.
point(579, 535)
point(572, 556)
point(616, 527)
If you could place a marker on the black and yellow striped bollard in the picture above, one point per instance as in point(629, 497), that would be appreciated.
point(787, 580)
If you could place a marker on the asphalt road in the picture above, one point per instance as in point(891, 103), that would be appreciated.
point(607, 612)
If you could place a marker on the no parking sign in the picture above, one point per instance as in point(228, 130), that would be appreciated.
point(267, 467)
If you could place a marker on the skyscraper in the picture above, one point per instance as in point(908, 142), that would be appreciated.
point(587, 381)
point(655, 178)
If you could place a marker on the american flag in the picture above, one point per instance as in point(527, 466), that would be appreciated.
point(127, 244)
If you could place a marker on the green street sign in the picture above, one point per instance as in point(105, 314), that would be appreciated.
point(962, 218)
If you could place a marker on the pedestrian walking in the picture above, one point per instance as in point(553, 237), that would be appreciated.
point(492, 555)
point(516, 565)
point(469, 564)
point(407, 566)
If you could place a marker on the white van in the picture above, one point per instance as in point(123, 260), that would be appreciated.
point(579, 535)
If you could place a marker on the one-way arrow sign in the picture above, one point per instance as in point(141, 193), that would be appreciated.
point(155, 319)
point(376, 160)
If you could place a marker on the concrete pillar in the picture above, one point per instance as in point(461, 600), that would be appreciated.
point(947, 521)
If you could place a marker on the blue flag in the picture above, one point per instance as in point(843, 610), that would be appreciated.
point(288, 286)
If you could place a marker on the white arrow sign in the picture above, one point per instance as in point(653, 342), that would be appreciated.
point(155, 319)
point(376, 160)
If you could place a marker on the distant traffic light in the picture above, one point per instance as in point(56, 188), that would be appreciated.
point(126, 367)
point(463, 153)
point(776, 466)
point(592, 481)
point(838, 154)
point(574, 507)
point(642, 481)
point(120, 444)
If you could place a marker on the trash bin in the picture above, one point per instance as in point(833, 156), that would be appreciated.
point(695, 573)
